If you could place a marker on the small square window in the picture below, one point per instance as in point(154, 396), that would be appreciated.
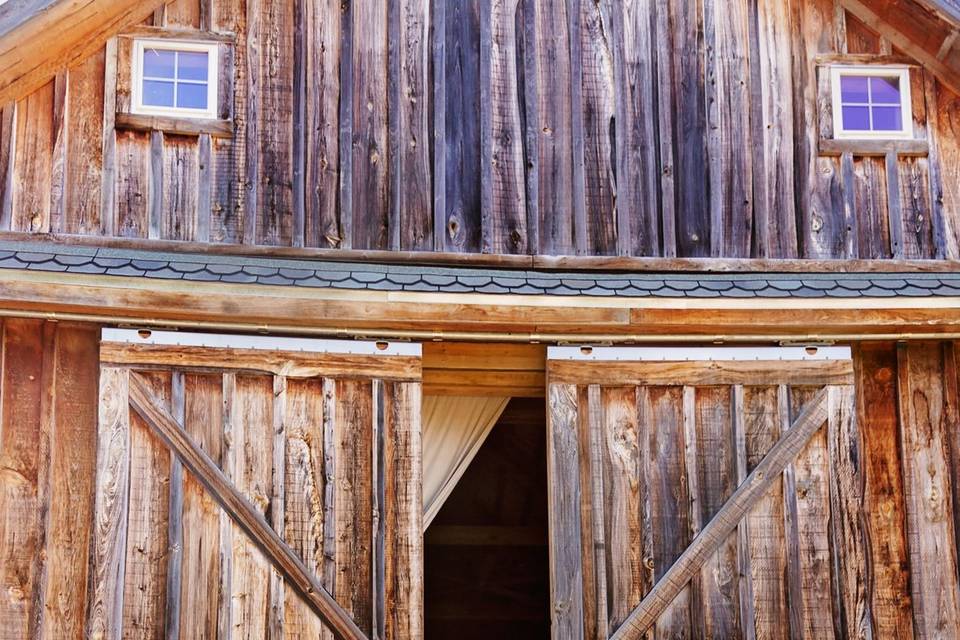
point(176, 79)
point(871, 102)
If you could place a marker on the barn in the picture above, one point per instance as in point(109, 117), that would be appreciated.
point(457, 319)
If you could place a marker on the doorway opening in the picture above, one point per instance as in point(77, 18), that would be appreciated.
point(486, 565)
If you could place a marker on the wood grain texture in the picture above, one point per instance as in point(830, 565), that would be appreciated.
point(84, 163)
point(926, 418)
point(33, 161)
point(566, 577)
point(23, 440)
point(883, 493)
point(109, 535)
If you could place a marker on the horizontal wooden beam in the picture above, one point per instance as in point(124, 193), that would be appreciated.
point(425, 317)
point(880, 148)
point(807, 373)
point(292, 364)
point(239, 509)
point(177, 126)
point(556, 263)
point(715, 533)
point(489, 369)
point(40, 37)
point(947, 73)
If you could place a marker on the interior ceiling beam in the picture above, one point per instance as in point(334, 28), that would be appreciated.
point(946, 70)
point(38, 38)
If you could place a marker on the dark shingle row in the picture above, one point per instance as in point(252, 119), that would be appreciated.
point(376, 277)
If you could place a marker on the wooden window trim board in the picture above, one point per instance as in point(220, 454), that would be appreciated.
point(126, 119)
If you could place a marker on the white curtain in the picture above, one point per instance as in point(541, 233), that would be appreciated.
point(454, 427)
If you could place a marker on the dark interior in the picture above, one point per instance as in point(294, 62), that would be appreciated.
point(486, 563)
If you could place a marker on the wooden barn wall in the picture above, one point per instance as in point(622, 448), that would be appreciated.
point(676, 128)
point(857, 538)
point(48, 449)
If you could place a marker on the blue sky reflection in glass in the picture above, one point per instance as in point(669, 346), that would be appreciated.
point(871, 103)
point(175, 78)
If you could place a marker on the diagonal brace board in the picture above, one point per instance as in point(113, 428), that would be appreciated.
point(152, 411)
point(725, 522)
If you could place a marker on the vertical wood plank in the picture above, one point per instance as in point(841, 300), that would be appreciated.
point(592, 513)
point(895, 215)
point(155, 186)
point(744, 562)
point(377, 499)
point(638, 185)
point(846, 502)
point(870, 211)
point(201, 558)
point(460, 177)
point(252, 452)
point(413, 142)
point(304, 504)
point(174, 556)
point(180, 180)
point(322, 24)
point(354, 527)
point(276, 612)
point(768, 556)
point(692, 478)
point(794, 576)
point(33, 161)
point(133, 168)
point(775, 168)
point(598, 108)
point(251, 113)
point(925, 420)
point(812, 477)
point(716, 473)
point(8, 138)
point(228, 458)
point(345, 131)
point(729, 140)
point(369, 149)
point(915, 176)
point(563, 481)
point(85, 164)
point(624, 494)
point(204, 188)
point(685, 46)
point(109, 544)
point(108, 178)
point(73, 469)
point(144, 588)
point(505, 222)
point(819, 187)
point(884, 508)
point(23, 442)
point(273, 76)
point(661, 420)
point(554, 126)
point(438, 118)
point(402, 511)
point(58, 159)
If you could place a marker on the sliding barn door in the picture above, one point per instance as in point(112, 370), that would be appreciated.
point(256, 488)
point(701, 498)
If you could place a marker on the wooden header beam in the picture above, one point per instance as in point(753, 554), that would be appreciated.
point(40, 37)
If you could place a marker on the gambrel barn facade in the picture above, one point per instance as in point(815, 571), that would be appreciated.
point(703, 256)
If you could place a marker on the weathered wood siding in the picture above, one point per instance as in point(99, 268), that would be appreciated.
point(325, 448)
point(674, 128)
point(857, 538)
point(48, 451)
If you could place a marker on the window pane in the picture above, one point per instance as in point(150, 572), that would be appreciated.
point(885, 90)
point(192, 65)
point(192, 96)
point(158, 63)
point(856, 118)
point(853, 89)
point(157, 94)
point(887, 119)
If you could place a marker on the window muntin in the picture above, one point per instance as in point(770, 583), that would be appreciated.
point(872, 102)
point(175, 79)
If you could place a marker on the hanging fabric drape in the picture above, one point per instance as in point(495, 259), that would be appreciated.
point(454, 428)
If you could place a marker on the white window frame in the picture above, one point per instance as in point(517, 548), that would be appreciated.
point(902, 73)
point(213, 79)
